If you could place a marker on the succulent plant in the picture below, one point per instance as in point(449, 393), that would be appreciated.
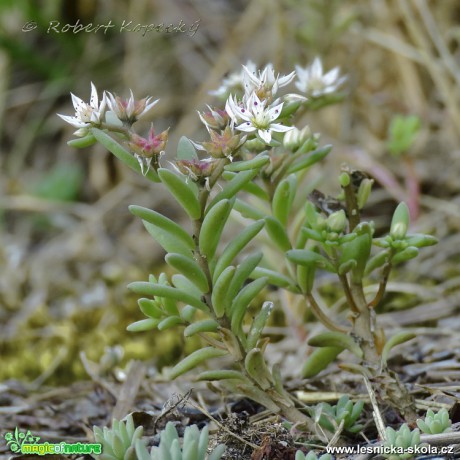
point(254, 165)
point(194, 446)
point(119, 442)
point(435, 423)
point(401, 444)
point(330, 417)
point(299, 455)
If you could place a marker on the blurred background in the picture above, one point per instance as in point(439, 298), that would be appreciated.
point(68, 245)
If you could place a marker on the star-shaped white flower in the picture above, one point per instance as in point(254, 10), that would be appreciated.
point(312, 82)
point(233, 82)
point(255, 117)
point(87, 114)
point(265, 80)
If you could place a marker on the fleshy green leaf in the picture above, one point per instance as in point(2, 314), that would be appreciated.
point(236, 246)
point(185, 192)
point(169, 322)
point(242, 301)
point(396, 339)
point(305, 161)
point(275, 278)
point(256, 163)
point(168, 292)
point(222, 375)
point(173, 230)
point(309, 258)
point(319, 360)
point(212, 227)
point(337, 340)
point(277, 233)
point(190, 269)
point(194, 359)
point(219, 296)
point(82, 142)
point(186, 150)
point(258, 325)
point(248, 211)
point(143, 325)
point(122, 154)
point(283, 198)
point(205, 325)
point(234, 186)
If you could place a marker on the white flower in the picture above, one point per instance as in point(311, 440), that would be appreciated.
point(266, 81)
point(233, 82)
point(129, 110)
point(86, 114)
point(256, 117)
point(312, 81)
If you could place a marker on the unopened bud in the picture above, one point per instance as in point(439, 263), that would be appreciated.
point(148, 147)
point(400, 222)
point(344, 179)
point(295, 137)
point(337, 221)
point(314, 219)
point(214, 118)
point(363, 192)
point(197, 170)
point(223, 145)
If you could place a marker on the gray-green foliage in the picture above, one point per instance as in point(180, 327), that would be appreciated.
point(299, 455)
point(118, 443)
point(435, 423)
point(345, 412)
point(194, 446)
point(402, 441)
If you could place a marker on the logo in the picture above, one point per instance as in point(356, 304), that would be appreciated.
point(25, 442)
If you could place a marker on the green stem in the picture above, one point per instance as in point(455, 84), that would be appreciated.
point(364, 325)
point(346, 290)
point(351, 204)
point(117, 129)
point(322, 316)
point(382, 286)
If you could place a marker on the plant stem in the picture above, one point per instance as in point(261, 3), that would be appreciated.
point(364, 325)
point(351, 204)
point(322, 316)
point(382, 286)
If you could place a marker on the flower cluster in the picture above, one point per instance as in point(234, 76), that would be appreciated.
point(119, 114)
point(254, 115)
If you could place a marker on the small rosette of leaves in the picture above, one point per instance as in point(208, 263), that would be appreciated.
point(118, 443)
point(435, 423)
point(299, 455)
point(195, 446)
point(402, 441)
point(345, 414)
